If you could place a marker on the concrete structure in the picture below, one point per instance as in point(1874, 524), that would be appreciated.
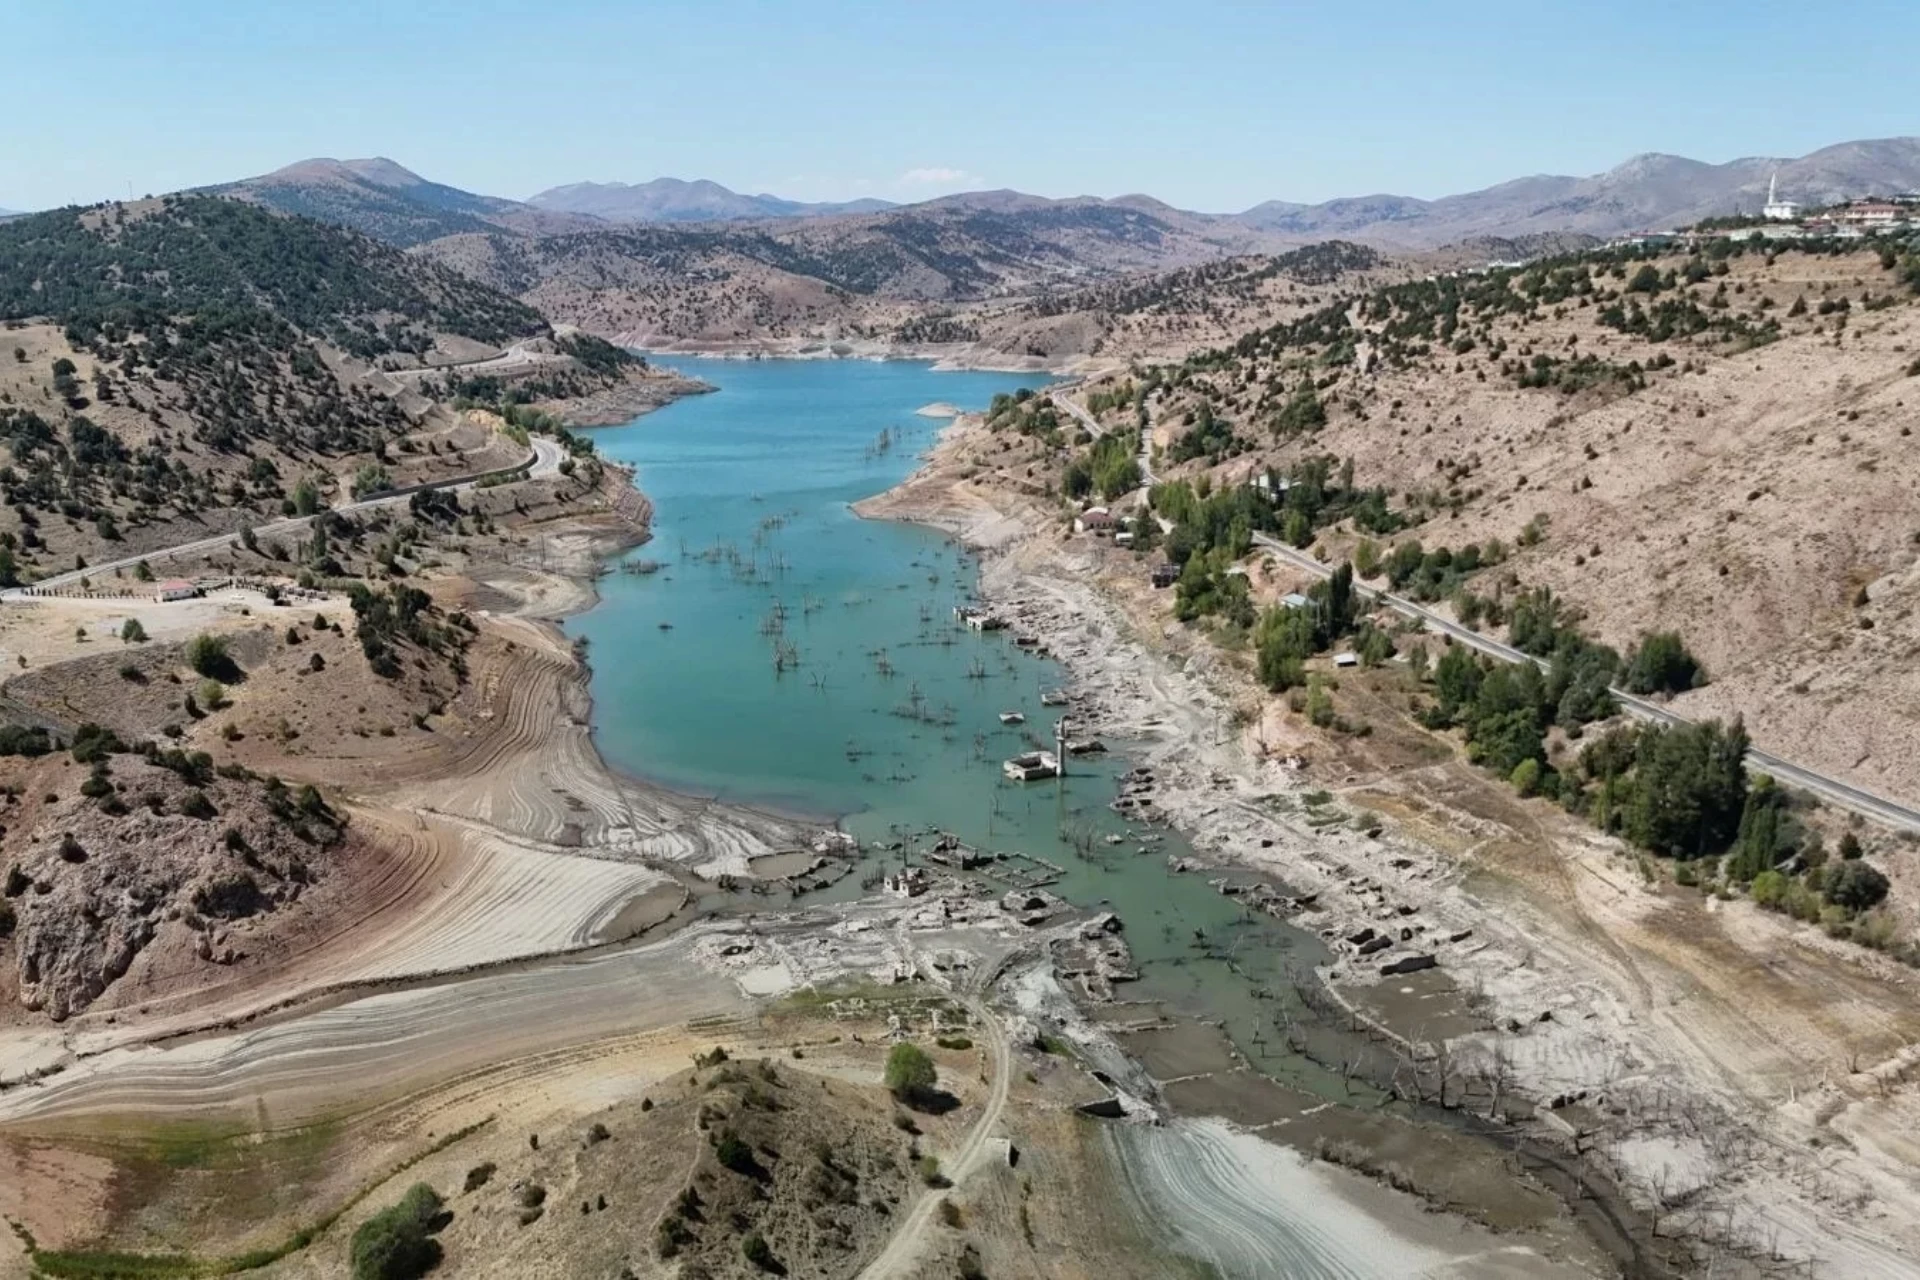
point(978, 619)
point(175, 589)
point(1030, 766)
point(908, 882)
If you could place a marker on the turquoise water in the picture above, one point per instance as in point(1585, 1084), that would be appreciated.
point(760, 555)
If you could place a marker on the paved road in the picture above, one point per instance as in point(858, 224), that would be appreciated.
point(512, 359)
point(542, 462)
point(1844, 795)
point(1066, 404)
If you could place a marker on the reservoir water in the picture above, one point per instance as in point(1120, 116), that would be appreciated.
point(787, 653)
point(889, 717)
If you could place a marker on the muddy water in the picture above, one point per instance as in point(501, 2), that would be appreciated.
point(790, 654)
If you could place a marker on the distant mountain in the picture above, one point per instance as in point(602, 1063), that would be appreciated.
point(388, 202)
point(1647, 192)
point(676, 200)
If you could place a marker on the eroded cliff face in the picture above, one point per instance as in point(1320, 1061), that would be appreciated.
point(127, 858)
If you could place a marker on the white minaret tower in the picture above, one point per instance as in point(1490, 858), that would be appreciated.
point(1776, 209)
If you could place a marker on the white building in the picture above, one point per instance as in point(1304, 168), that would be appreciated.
point(1093, 520)
point(175, 589)
point(1776, 209)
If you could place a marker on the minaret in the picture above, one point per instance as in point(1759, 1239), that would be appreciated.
point(1770, 185)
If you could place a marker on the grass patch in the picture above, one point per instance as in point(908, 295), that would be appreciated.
point(183, 1144)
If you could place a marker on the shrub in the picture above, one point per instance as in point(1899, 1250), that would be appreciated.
point(207, 655)
point(910, 1074)
point(1770, 888)
point(24, 740)
point(196, 805)
point(1856, 886)
point(211, 694)
point(735, 1155)
point(397, 1243)
point(91, 743)
point(756, 1250)
point(132, 632)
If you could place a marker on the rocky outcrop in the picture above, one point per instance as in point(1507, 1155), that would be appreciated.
point(145, 850)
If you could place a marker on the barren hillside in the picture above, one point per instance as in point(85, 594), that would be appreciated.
point(1724, 454)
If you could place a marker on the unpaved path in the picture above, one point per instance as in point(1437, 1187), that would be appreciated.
point(903, 1250)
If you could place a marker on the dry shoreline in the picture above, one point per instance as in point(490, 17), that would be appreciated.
point(945, 357)
point(1581, 1020)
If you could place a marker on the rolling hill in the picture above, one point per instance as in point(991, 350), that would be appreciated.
point(389, 202)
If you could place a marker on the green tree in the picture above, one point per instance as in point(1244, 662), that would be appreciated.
point(1366, 557)
point(1689, 788)
point(1662, 665)
point(132, 632)
point(910, 1074)
point(1762, 841)
point(397, 1243)
point(1297, 528)
point(1456, 682)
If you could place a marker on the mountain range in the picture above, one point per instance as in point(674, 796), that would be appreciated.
point(677, 200)
point(1649, 191)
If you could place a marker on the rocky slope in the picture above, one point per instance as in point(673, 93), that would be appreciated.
point(149, 852)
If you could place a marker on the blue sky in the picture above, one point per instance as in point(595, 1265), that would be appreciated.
point(1212, 106)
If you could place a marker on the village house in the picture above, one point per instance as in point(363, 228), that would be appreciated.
point(175, 589)
point(1093, 520)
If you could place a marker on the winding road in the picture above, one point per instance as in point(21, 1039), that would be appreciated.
point(1843, 795)
point(544, 461)
point(1061, 400)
